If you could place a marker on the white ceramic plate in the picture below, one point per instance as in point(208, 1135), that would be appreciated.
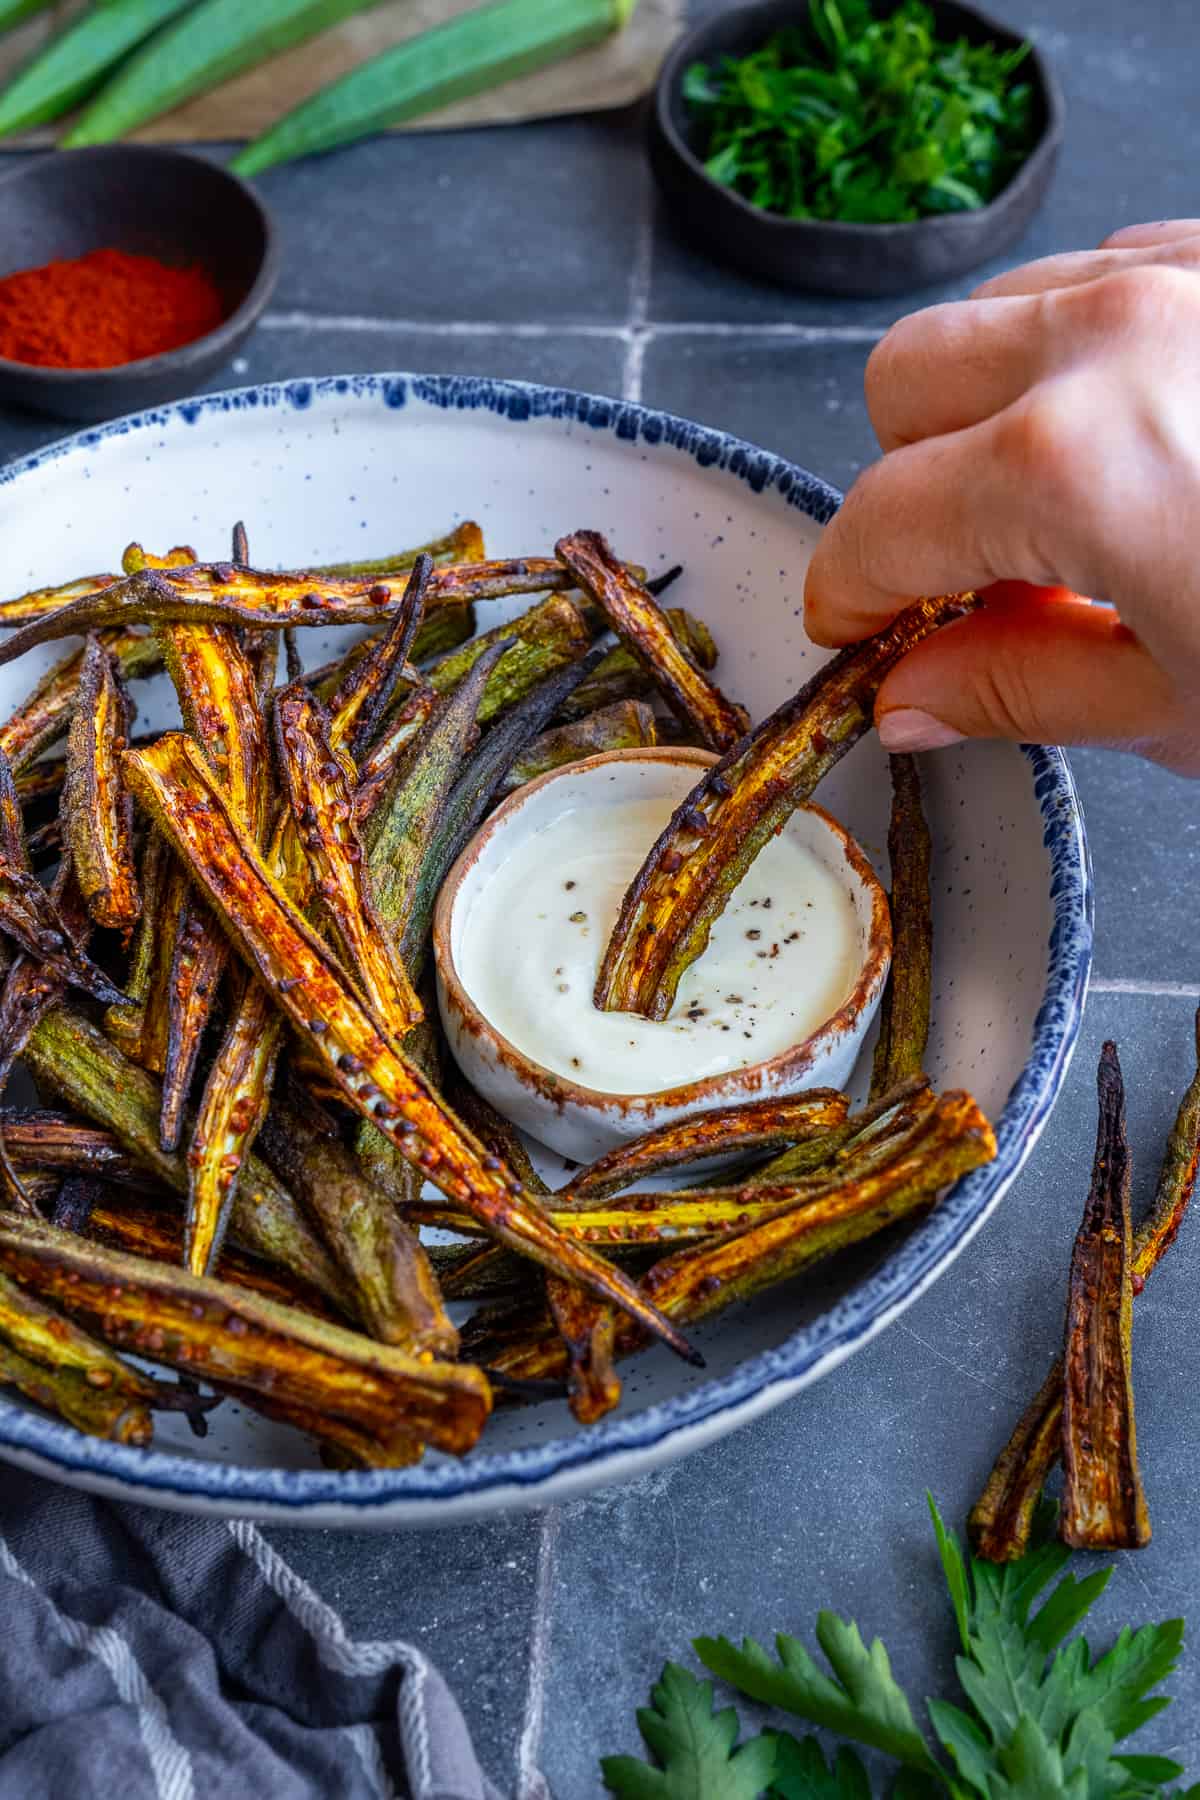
point(325, 470)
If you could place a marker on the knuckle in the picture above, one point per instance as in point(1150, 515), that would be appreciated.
point(1042, 437)
point(1139, 300)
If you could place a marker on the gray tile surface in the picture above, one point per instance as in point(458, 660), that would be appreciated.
point(535, 237)
point(821, 1503)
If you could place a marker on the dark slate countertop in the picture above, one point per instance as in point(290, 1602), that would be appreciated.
point(538, 252)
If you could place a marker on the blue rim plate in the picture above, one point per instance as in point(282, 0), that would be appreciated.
point(624, 1444)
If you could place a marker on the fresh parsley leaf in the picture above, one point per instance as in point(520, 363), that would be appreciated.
point(801, 1772)
point(862, 1701)
point(849, 116)
point(695, 1746)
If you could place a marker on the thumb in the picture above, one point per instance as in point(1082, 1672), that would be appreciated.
point(1037, 665)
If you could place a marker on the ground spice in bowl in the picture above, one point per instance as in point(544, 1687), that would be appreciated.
point(103, 309)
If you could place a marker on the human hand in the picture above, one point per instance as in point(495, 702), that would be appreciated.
point(1042, 441)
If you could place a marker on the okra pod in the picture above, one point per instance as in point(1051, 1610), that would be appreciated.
point(67, 1055)
point(173, 782)
point(904, 1012)
point(365, 693)
point(232, 1109)
point(625, 725)
point(636, 616)
point(30, 917)
point(379, 767)
point(46, 716)
point(724, 1131)
point(198, 961)
point(548, 637)
point(97, 806)
point(1104, 1507)
point(53, 1141)
point(247, 1344)
point(463, 544)
point(125, 1022)
point(737, 806)
point(62, 74)
point(623, 676)
point(587, 1327)
point(91, 1410)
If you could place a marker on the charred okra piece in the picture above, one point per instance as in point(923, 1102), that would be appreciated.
point(636, 617)
point(173, 782)
point(379, 768)
point(737, 806)
point(232, 1109)
point(904, 1013)
point(29, 915)
point(725, 1131)
point(463, 544)
point(54, 1141)
point(198, 962)
point(622, 676)
point(250, 1345)
point(98, 807)
point(364, 695)
point(67, 1055)
point(46, 716)
point(587, 1328)
point(1001, 1519)
point(320, 793)
point(41, 601)
point(548, 637)
point(625, 725)
point(384, 1261)
point(1104, 1507)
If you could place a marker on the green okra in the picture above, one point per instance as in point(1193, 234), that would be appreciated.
point(465, 56)
point(625, 725)
point(70, 66)
point(623, 676)
point(547, 637)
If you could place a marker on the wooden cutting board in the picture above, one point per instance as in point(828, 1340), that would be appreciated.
point(613, 74)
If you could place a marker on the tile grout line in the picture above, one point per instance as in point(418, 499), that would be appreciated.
point(635, 335)
point(1162, 990)
point(639, 300)
point(531, 1783)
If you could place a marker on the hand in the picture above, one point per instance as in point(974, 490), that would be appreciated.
point(1042, 441)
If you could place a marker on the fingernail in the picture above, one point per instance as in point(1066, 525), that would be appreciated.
point(904, 728)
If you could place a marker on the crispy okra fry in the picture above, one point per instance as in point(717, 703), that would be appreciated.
point(175, 785)
point(223, 594)
point(636, 616)
point(384, 1262)
point(548, 637)
point(379, 766)
point(702, 1279)
point(625, 725)
point(881, 1121)
point(320, 792)
point(1104, 1507)
point(94, 1411)
point(68, 1056)
point(904, 1013)
point(737, 806)
point(46, 716)
point(622, 676)
point(198, 961)
point(463, 544)
point(587, 1327)
point(363, 696)
point(98, 808)
point(152, 1232)
point(1002, 1518)
point(247, 1343)
point(480, 1271)
point(40, 601)
point(724, 1131)
point(139, 1025)
point(13, 848)
point(29, 915)
point(55, 1141)
point(232, 1109)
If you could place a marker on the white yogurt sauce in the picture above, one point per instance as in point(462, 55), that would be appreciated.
point(781, 959)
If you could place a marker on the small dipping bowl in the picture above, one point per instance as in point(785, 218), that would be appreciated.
point(146, 201)
point(582, 1123)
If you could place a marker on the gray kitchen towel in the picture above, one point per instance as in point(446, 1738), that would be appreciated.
point(149, 1656)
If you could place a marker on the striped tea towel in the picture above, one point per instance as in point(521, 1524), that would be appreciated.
point(147, 1656)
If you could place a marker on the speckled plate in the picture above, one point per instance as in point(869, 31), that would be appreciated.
point(324, 470)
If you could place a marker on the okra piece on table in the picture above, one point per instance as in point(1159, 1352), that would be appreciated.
point(1002, 1518)
point(636, 616)
point(97, 805)
point(1104, 1507)
point(173, 782)
point(740, 803)
point(625, 725)
point(723, 1131)
point(486, 46)
point(247, 1344)
point(904, 1012)
point(67, 1056)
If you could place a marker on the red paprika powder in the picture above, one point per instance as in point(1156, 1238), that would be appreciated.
point(105, 308)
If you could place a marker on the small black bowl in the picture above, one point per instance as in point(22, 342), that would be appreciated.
point(149, 202)
point(830, 256)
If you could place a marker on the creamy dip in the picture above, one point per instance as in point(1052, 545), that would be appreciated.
point(782, 958)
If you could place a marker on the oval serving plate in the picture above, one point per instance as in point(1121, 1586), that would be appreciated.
point(330, 469)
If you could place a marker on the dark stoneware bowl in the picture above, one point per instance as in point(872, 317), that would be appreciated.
point(829, 256)
point(148, 201)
